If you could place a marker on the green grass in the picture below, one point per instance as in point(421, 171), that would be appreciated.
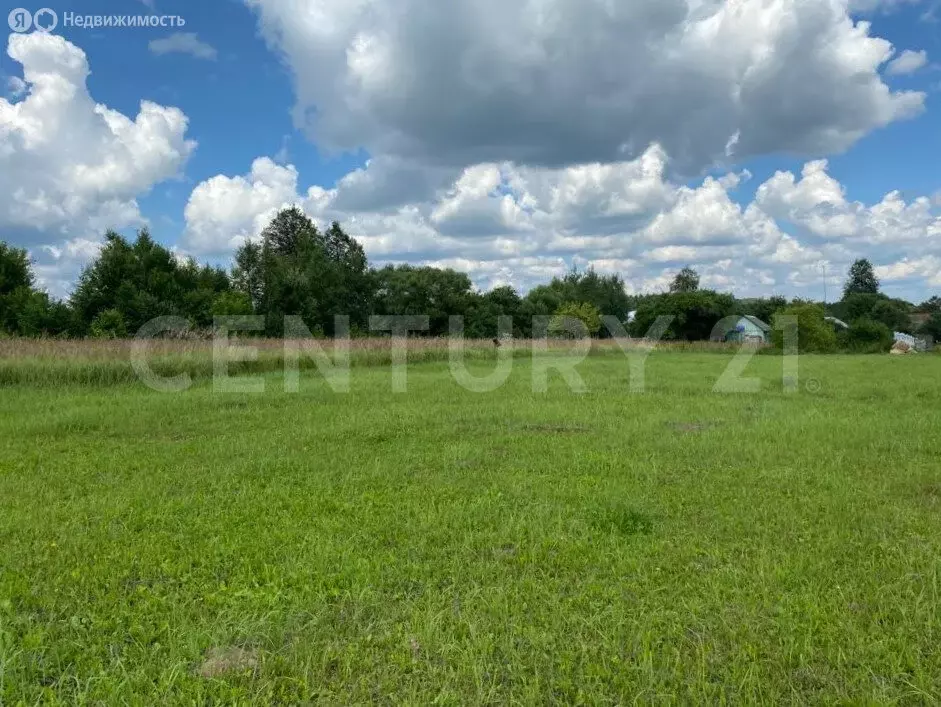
point(676, 546)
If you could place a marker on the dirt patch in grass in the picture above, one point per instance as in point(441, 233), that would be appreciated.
point(929, 492)
point(688, 428)
point(220, 662)
point(556, 429)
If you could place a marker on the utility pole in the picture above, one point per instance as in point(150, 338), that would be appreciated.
point(823, 269)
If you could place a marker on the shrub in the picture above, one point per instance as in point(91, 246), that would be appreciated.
point(814, 333)
point(866, 336)
point(584, 312)
point(109, 325)
point(231, 304)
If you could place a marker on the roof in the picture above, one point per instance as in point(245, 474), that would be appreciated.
point(729, 325)
point(757, 322)
point(839, 322)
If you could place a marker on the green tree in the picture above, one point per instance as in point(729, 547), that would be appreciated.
point(695, 314)
point(248, 273)
point(605, 292)
point(814, 333)
point(40, 315)
point(298, 271)
point(350, 284)
point(16, 286)
point(109, 324)
point(866, 336)
point(231, 304)
point(15, 269)
point(861, 279)
point(686, 280)
point(761, 307)
point(24, 310)
point(289, 232)
point(894, 313)
point(484, 310)
point(584, 312)
point(437, 293)
point(143, 280)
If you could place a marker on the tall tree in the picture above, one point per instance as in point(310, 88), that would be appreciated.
point(483, 312)
point(438, 293)
point(686, 280)
point(25, 310)
point(695, 314)
point(351, 283)
point(289, 231)
point(604, 292)
point(248, 274)
point(861, 279)
point(143, 280)
point(15, 269)
point(298, 271)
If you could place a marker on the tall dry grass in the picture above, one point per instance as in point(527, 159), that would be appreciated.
point(54, 362)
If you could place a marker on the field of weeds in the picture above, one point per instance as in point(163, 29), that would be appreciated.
point(51, 362)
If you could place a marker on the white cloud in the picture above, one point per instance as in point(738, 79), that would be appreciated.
point(222, 212)
point(927, 268)
point(71, 168)
point(58, 267)
point(816, 204)
point(513, 141)
point(908, 62)
point(505, 224)
point(69, 165)
point(562, 82)
point(183, 43)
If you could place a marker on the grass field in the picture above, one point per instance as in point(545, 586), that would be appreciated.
point(439, 545)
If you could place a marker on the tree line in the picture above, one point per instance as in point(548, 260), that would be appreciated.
point(297, 269)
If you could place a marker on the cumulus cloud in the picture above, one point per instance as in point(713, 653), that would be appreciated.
point(926, 269)
point(507, 224)
point(71, 168)
point(183, 43)
point(58, 267)
point(817, 205)
point(222, 212)
point(561, 82)
point(908, 62)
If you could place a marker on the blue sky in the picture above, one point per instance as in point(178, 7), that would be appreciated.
point(501, 143)
point(238, 104)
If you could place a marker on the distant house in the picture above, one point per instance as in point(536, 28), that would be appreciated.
point(749, 329)
point(837, 323)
